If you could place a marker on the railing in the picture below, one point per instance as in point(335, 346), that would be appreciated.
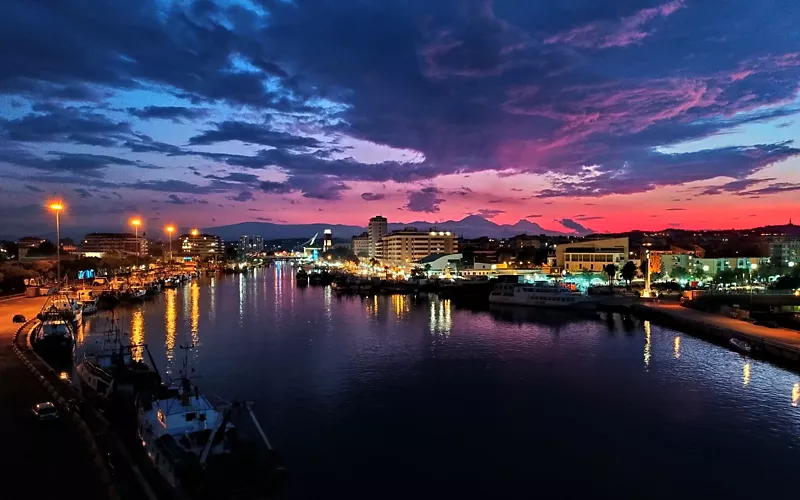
point(12, 297)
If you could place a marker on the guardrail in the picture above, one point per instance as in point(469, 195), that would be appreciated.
point(12, 297)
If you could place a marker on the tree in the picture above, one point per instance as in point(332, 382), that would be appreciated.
point(611, 272)
point(726, 276)
point(373, 262)
point(629, 271)
point(46, 248)
point(427, 269)
point(679, 273)
point(587, 275)
point(231, 253)
point(644, 266)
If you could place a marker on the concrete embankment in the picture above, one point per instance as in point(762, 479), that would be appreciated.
point(774, 344)
point(77, 456)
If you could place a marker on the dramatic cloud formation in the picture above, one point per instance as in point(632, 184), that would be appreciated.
point(503, 103)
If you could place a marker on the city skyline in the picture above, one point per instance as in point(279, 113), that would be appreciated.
point(647, 115)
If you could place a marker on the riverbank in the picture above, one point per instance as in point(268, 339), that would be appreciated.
point(774, 344)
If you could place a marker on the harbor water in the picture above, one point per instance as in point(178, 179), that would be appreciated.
point(411, 397)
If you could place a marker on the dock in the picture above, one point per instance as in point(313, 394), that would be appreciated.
point(779, 345)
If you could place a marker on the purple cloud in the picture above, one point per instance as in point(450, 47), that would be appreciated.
point(424, 200)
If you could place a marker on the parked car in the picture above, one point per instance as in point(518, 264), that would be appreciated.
point(45, 411)
point(19, 318)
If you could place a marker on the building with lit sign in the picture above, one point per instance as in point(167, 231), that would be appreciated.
point(592, 255)
point(327, 240)
point(201, 244)
point(409, 245)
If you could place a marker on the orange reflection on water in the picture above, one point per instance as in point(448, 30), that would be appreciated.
point(170, 321)
point(795, 394)
point(677, 347)
point(646, 344)
point(746, 375)
point(195, 311)
point(400, 304)
point(137, 332)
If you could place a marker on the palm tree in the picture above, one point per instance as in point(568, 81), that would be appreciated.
point(629, 271)
point(611, 272)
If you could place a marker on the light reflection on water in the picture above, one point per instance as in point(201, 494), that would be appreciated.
point(390, 369)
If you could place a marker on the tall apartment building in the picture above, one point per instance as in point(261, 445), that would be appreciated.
point(124, 243)
point(378, 227)
point(249, 244)
point(783, 250)
point(409, 245)
point(200, 244)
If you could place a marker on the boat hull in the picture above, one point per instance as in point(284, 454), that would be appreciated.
point(581, 305)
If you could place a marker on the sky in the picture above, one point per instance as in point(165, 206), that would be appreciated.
point(581, 114)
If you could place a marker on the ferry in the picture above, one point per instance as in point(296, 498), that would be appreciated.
point(524, 294)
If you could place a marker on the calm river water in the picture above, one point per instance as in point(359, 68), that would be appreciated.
point(392, 397)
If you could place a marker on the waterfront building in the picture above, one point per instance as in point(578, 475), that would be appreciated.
point(441, 264)
point(409, 245)
point(99, 244)
point(711, 266)
point(201, 245)
point(378, 227)
point(592, 255)
point(244, 244)
point(257, 244)
point(361, 245)
point(784, 251)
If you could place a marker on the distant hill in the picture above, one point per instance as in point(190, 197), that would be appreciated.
point(473, 226)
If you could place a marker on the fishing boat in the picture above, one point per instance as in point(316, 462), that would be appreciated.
point(196, 448)
point(116, 368)
point(301, 277)
point(89, 307)
point(54, 336)
point(524, 294)
point(741, 345)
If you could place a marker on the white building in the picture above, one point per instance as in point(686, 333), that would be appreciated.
point(438, 263)
point(378, 227)
point(361, 245)
point(713, 266)
point(592, 255)
point(409, 245)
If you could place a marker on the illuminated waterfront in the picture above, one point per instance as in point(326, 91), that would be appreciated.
point(397, 397)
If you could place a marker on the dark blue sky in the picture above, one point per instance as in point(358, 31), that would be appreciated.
point(203, 113)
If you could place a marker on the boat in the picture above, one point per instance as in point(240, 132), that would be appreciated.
point(196, 448)
point(54, 336)
point(301, 277)
point(116, 368)
point(89, 307)
point(741, 345)
point(525, 294)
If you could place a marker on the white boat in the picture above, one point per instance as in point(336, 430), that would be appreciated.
point(89, 307)
point(523, 294)
point(742, 345)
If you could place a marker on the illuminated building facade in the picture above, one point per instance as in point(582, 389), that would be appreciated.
point(200, 244)
point(123, 243)
point(327, 240)
point(592, 255)
point(409, 245)
point(378, 227)
point(361, 245)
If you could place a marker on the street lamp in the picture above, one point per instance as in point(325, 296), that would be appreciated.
point(57, 207)
point(136, 223)
point(753, 267)
point(791, 264)
point(170, 230)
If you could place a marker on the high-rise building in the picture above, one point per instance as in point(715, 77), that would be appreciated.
point(327, 240)
point(378, 227)
point(409, 245)
point(257, 244)
point(244, 243)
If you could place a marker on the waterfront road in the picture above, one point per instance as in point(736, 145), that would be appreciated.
point(44, 460)
point(788, 338)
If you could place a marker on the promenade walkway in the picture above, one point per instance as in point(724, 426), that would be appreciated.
point(789, 338)
point(43, 460)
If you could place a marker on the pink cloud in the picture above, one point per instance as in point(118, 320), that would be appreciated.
point(607, 34)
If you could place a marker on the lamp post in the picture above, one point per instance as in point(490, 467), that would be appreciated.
point(170, 230)
point(57, 207)
point(136, 223)
point(753, 267)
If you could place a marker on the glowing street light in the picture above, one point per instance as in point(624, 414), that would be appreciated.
point(791, 264)
point(195, 232)
point(57, 207)
point(136, 223)
point(170, 230)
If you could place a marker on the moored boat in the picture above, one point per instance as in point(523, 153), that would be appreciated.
point(524, 294)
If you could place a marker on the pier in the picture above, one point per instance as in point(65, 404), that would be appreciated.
point(775, 344)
